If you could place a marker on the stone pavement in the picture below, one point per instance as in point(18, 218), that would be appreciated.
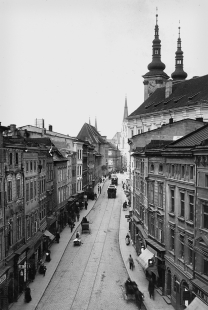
point(138, 274)
point(40, 284)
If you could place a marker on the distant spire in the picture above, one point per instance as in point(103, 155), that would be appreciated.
point(179, 74)
point(125, 109)
point(96, 123)
point(89, 121)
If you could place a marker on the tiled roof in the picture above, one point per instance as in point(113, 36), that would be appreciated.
point(183, 93)
point(158, 144)
point(90, 133)
point(192, 139)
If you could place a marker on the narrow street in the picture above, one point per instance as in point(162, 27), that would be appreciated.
point(90, 276)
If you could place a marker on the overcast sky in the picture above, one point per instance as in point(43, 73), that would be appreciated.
point(68, 60)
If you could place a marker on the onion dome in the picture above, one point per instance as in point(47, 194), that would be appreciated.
point(156, 63)
point(179, 73)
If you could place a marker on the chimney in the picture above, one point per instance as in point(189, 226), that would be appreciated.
point(50, 127)
point(12, 127)
point(43, 132)
point(168, 88)
point(171, 120)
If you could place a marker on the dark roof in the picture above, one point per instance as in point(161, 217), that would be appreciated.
point(158, 144)
point(90, 133)
point(192, 139)
point(183, 93)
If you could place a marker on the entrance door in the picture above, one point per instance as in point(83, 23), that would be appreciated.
point(168, 291)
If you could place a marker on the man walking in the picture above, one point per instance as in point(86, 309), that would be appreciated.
point(151, 288)
point(86, 204)
point(131, 262)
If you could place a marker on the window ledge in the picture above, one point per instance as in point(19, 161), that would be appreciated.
point(171, 214)
point(204, 230)
point(190, 223)
point(181, 219)
point(181, 259)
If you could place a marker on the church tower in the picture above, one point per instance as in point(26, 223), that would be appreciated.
point(179, 74)
point(155, 77)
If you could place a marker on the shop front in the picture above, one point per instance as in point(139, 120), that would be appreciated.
point(52, 224)
point(200, 289)
point(158, 272)
point(4, 288)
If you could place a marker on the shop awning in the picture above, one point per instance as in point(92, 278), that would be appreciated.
point(153, 270)
point(48, 234)
point(51, 220)
point(155, 245)
point(200, 285)
point(144, 257)
point(197, 304)
point(141, 229)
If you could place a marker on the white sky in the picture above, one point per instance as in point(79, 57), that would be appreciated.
point(68, 60)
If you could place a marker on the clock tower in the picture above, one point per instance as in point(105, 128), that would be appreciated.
point(155, 77)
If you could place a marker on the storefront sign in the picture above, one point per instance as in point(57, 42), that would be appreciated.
point(2, 279)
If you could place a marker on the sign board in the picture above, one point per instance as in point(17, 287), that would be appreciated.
point(127, 216)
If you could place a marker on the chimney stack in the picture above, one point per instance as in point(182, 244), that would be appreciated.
point(50, 127)
point(168, 88)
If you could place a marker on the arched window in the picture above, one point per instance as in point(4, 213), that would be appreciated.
point(151, 168)
point(160, 168)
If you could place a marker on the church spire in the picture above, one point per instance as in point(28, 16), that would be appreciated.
point(179, 74)
point(125, 109)
point(96, 123)
point(156, 67)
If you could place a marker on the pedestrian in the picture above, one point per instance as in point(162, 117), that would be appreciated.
point(28, 297)
point(57, 237)
point(139, 298)
point(44, 270)
point(77, 235)
point(131, 262)
point(151, 288)
point(86, 204)
point(78, 216)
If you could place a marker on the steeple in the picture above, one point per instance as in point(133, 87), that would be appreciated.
point(156, 67)
point(125, 109)
point(96, 123)
point(179, 74)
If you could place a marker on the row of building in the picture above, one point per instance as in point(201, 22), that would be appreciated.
point(43, 175)
point(167, 140)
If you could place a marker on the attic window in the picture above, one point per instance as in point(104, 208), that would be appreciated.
point(179, 98)
point(156, 104)
point(191, 97)
point(147, 106)
point(165, 102)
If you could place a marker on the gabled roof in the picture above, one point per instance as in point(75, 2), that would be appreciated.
point(89, 133)
point(184, 93)
point(192, 139)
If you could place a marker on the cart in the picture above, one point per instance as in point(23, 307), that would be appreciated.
point(77, 242)
point(112, 191)
point(85, 228)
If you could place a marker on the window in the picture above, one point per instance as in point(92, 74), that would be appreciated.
point(206, 180)
point(160, 195)
point(182, 204)
point(35, 165)
point(19, 228)
point(156, 52)
point(28, 228)
point(172, 170)
point(18, 188)
point(182, 172)
point(132, 132)
point(191, 208)
point(205, 216)
point(160, 168)
point(9, 190)
point(151, 168)
point(182, 246)
point(16, 159)
point(151, 192)
point(31, 166)
point(160, 232)
point(172, 239)
point(1, 246)
point(35, 189)
point(190, 251)
point(27, 166)
point(31, 190)
point(44, 164)
point(191, 172)
point(10, 158)
point(27, 192)
point(139, 131)
point(175, 283)
point(172, 200)
point(206, 267)
point(178, 61)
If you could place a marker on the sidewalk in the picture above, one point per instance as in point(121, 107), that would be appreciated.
point(138, 274)
point(41, 283)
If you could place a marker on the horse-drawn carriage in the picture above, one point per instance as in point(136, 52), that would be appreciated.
point(85, 225)
point(132, 292)
point(114, 179)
